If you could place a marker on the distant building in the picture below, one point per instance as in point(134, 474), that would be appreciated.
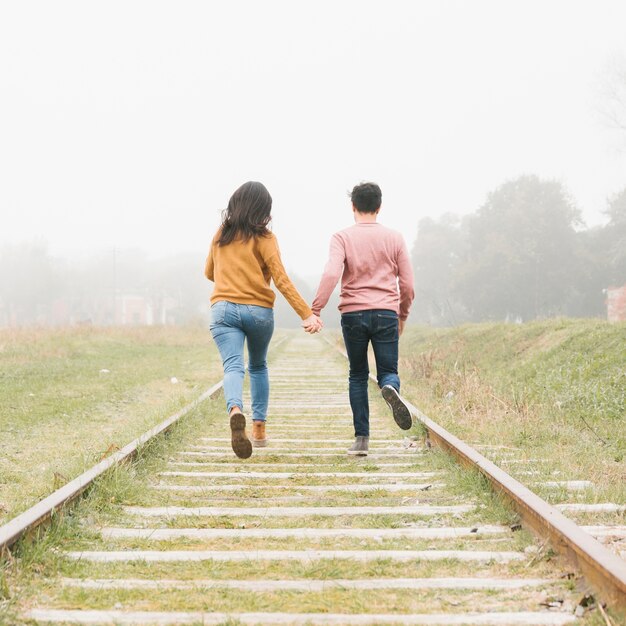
point(616, 304)
point(133, 310)
point(143, 310)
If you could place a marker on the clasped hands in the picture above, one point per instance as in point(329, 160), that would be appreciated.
point(312, 324)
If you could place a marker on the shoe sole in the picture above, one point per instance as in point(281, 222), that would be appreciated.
point(240, 442)
point(259, 443)
point(357, 452)
point(401, 413)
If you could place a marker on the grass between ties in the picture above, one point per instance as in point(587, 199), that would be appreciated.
point(350, 601)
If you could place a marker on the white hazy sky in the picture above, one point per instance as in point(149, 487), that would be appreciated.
point(129, 124)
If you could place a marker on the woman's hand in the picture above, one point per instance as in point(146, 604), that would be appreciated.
point(312, 324)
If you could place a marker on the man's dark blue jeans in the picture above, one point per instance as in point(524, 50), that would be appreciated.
point(379, 326)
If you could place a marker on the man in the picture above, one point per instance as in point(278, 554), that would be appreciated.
point(376, 294)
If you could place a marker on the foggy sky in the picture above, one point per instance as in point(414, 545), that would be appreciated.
point(129, 124)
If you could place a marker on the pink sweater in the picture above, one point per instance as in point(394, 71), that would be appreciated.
point(375, 270)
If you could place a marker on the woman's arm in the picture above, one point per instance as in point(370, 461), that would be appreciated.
point(270, 252)
point(209, 266)
point(286, 287)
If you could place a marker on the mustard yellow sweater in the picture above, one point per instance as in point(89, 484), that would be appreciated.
point(242, 271)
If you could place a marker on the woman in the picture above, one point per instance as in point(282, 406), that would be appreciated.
point(244, 256)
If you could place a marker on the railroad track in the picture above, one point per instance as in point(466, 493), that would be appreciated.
point(301, 533)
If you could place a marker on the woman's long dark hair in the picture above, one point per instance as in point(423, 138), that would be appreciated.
point(247, 215)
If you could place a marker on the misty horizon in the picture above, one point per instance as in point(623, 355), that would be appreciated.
point(130, 125)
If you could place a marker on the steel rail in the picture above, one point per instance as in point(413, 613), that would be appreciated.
point(604, 571)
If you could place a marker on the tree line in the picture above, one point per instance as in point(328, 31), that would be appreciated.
point(524, 254)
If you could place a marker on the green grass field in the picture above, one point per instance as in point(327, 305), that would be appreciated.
point(60, 411)
point(556, 390)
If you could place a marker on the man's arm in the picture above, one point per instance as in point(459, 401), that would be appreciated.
point(405, 282)
point(332, 273)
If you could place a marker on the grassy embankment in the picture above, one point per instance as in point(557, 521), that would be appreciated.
point(60, 411)
point(554, 391)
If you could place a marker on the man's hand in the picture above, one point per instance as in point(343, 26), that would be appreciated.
point(312, 324)
point(401, 324)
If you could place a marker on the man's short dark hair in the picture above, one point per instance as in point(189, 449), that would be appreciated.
point(366, 197)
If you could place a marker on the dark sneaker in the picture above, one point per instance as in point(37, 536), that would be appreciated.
point(360, 446)
point(239, 440)
point(401, 412)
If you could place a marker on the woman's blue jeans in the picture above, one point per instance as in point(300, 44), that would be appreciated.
point(231, 325)
point(379, 326)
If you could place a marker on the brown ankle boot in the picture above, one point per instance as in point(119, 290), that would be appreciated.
point(259, 440)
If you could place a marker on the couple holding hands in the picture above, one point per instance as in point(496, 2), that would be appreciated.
point(374, 266)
